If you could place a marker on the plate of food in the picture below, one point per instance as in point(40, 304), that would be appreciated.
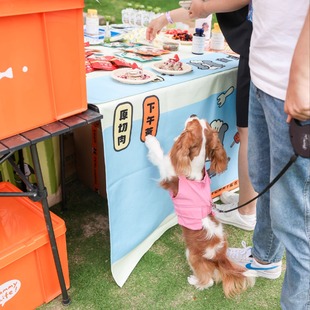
point(181, 36)
point(133, 76)
point(185, 4)
point(147, 50)
point(172, 66)
point(185, 42)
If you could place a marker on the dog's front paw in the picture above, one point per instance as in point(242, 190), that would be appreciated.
point(150, 141)
point(156, 153)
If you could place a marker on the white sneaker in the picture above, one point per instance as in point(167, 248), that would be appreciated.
point(229, 197)
point(243, 257)
point(234, 218)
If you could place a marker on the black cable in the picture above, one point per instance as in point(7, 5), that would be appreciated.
point(291, 161)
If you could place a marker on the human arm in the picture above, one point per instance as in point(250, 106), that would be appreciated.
point(157, 24)
point(198, 9)
point(297, 102)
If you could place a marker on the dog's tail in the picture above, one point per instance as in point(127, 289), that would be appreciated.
point(235, 278)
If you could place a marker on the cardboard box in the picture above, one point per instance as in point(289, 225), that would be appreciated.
point(42, 70)
point(28, 276)
point(90, 157)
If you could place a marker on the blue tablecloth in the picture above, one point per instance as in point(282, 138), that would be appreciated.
point(139, 210)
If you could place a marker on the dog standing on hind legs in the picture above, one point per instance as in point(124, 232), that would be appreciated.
point(183, 174)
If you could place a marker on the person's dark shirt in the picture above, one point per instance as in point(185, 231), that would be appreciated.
point(237, 30)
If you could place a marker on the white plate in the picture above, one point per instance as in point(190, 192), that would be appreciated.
point(120, 26)
point(186, 68)
point(185, 4)
point(117, 75)
point(180, 42)
point(185, 42)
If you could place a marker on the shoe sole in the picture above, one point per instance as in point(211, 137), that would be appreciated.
point(269, 276)
point(261, 273)
point(265, 273)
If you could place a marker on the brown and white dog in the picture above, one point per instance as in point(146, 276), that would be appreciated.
point(183, 174)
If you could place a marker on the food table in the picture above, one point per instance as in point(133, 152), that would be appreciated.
point(139, 210)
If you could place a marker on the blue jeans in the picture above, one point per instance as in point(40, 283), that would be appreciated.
point(283, 213)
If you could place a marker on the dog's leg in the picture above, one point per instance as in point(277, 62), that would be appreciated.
point(157, 158)
point(156, 154)
point(202, 277)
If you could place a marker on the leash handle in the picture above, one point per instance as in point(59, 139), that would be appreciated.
point(291, 161)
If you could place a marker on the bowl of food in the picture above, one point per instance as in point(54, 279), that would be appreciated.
point(171, 46)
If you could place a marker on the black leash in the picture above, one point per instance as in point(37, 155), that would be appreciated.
point(291, 161)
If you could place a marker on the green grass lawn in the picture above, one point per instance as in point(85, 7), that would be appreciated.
point(159, 281)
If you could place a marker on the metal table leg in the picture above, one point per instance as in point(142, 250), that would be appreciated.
point(49, 225)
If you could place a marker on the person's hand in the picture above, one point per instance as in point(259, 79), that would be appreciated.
point(297, 103)
point(197, 9)
point(155, 26)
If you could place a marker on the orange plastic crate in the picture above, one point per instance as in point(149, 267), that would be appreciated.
point(42, 67)
point(28, 276)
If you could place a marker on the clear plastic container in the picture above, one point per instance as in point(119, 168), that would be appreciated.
point(217, 38)
point(92, 22)
point(171, 46)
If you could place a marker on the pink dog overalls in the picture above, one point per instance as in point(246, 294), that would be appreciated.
point(193, 202)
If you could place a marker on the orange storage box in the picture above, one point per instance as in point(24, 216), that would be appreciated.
point(28, 276)
point(42, 63)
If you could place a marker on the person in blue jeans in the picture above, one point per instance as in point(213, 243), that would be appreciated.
point(279, 92)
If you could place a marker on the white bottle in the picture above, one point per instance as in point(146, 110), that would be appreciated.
point(198, 43)
point(92, 22)
point(217, 38)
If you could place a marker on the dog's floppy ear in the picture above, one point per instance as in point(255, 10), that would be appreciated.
point(179, 154)
point(215, 151)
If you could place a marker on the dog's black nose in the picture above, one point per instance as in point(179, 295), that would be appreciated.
point(193, 115)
